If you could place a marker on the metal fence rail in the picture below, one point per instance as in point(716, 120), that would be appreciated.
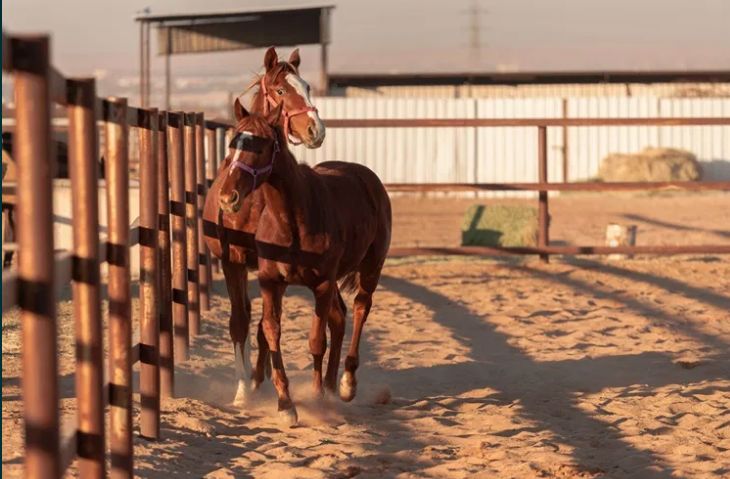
point(543, 249)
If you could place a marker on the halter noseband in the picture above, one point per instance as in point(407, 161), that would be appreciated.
point(245, 141)
point(269, 102)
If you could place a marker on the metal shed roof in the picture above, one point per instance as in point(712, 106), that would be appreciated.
point(210, 32)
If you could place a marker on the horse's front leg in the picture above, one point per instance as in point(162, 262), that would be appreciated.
point(236, 279)
point(323, 296)
point(272, 292)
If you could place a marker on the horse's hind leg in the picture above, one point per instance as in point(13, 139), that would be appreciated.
point(369, 277)
point(236, 276)
point(336, 323)
point(263, 362)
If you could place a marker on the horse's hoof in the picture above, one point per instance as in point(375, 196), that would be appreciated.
point(241, 393)
point(348, 387)
point(288, 417)
point(330, 388)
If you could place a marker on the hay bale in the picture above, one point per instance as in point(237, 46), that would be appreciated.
point(499, 225)
point(651, 164)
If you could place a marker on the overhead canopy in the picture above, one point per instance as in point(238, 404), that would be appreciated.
point(242, 30)
point(212, 32)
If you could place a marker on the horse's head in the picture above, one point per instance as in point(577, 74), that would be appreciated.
point(251, 155)
point(281, 85)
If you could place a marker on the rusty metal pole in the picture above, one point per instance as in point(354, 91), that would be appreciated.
point(191, 220)
point(202, 188)
point(116, 134)
point(543, 219)
point(167, 368)
point(33, 154)
point(211, 157)
point(149, 326)
point(84, 167)
point(179, 240)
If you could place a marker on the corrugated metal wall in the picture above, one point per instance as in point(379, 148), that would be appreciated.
point(421, 155)
point(674, 90)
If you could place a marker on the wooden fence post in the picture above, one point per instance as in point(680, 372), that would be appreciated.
point(120, 310)
point(179, 240)
point(167, 368)
point(202, 187)
point(33, 154)
point(211, 157)
point(149, 279)
point(84, 172)
point(543, 219)
point(191, 220)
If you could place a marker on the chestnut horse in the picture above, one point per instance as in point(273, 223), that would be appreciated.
point(317, 226)
point(230, 236)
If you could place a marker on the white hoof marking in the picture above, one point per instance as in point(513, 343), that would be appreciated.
point(289, 417)
point(348, 387)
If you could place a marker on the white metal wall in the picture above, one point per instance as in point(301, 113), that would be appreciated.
point(565, 90)
point(510, 154)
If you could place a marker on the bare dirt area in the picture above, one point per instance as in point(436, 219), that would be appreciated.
point(487, 368)
point(578, 219)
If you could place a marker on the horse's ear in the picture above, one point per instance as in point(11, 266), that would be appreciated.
point(270, 58)
point(273, 117)
point(239, 110)
point(294, 58)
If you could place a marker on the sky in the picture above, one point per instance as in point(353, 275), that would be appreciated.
point(377, 36)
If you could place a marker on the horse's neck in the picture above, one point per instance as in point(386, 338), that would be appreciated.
point(287, 188)
point(286, 177)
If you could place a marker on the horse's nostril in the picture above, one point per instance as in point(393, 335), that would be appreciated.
point(229, 200)
point(312, 131)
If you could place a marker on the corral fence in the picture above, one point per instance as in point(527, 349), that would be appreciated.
point(177, 150)
point(175, 268)
point(543, 186)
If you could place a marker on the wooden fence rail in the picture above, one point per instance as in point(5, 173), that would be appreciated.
point(166, 164)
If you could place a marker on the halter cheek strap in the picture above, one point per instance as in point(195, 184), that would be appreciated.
point(271, 103)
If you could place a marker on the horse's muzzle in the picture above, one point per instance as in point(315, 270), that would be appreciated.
point(230, 203)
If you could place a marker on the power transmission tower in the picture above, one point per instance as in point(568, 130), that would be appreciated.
point(475, 13)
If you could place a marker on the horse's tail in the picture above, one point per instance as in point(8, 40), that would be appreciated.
point(350, 282)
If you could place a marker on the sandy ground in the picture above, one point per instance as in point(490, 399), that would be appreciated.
point(579, 219)
point(580, 368)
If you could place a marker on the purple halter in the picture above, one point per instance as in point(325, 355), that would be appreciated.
point(244, 141)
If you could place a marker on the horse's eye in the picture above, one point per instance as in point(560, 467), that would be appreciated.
point(280, 91)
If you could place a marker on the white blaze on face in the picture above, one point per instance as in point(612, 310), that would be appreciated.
point(302, 88)
point(237, 154)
